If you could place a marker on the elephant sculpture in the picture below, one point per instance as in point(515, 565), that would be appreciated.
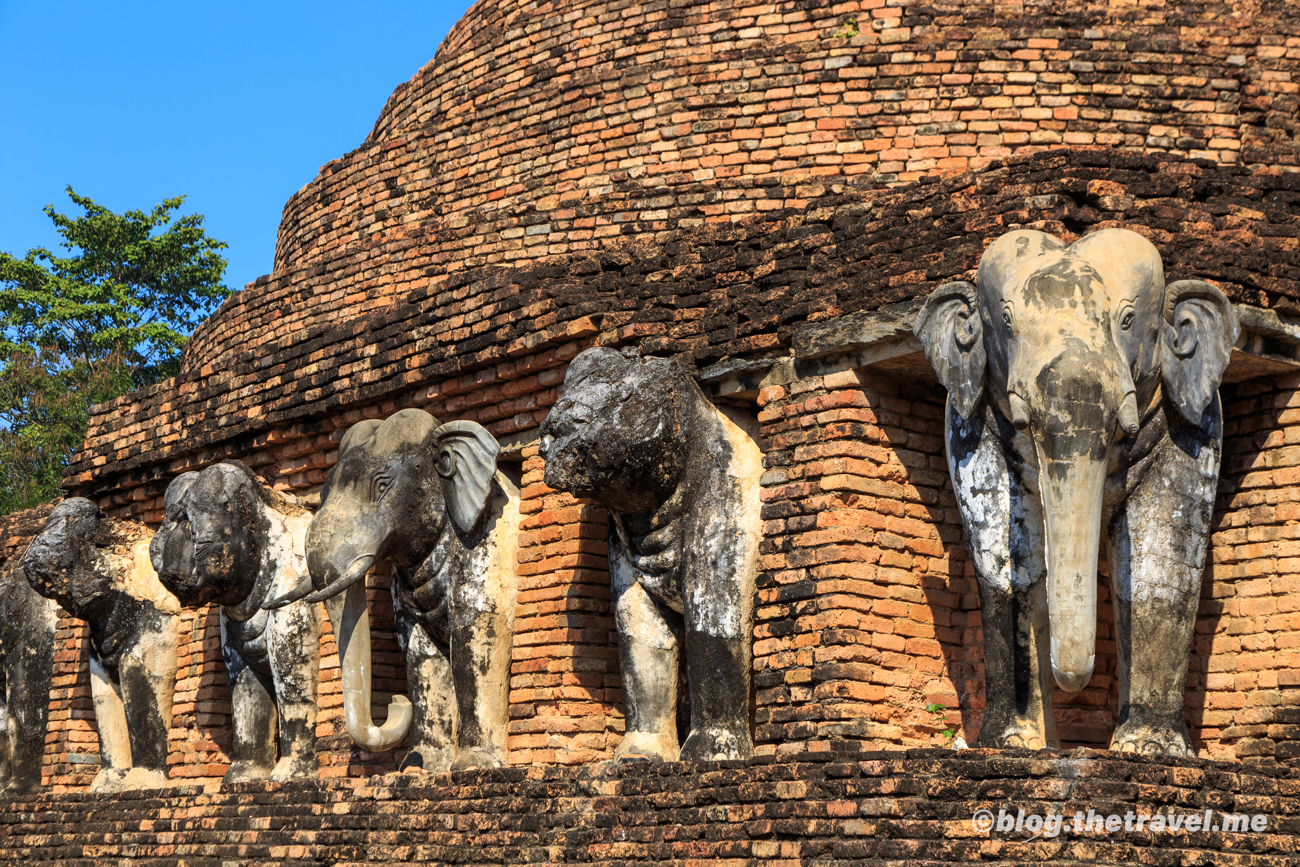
point(229, 539)
point(427, 499)
point(98, 569)
point(28, 622)
point(1082, 405)
point(680, 478)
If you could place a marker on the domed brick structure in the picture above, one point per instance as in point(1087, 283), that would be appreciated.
point(763, 192)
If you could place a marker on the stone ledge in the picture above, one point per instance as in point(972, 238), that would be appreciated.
point(909, 807)
point(1269, 345)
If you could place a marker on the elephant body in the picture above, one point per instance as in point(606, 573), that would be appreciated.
point(1082, 408)
point(425, 498)
point(28, 622)
point(680, 478)
point(229, 539)
point(98, 569)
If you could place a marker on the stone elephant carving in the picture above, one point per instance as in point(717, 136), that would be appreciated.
point(425, 498)
point(1082, 404)
point(681, 481)
point(98, 569)
point(229, 539)
point(28, 622)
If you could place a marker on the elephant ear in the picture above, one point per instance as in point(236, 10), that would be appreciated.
point(1199, 332)
point(467, 460)
point(952, 336)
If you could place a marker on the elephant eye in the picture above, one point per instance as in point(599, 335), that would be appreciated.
point(382, 484)
point(1006, 316)
point(1127, 321)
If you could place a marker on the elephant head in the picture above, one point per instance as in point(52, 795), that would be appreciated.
point(66, 561)
point(389, 498)
point(1077, 346)
point(617, 434)
point(214, 539)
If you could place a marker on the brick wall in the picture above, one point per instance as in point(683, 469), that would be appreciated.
point(889, 809)
point(1247, 646)
point(547, 129)
point(862, 595)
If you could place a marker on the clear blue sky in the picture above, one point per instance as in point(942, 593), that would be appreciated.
point(234, 105)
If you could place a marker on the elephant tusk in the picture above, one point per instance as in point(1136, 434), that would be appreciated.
point(305, 589)
point(1128, 414)
point(302, 589)
point(1019, 411)
point(355, 572)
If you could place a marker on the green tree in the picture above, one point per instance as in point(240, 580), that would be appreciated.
point(110, 316)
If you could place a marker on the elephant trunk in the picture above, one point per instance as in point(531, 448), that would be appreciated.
point(1082, 399)
point(1072, 496)
point(339, 553)
point(351, 621)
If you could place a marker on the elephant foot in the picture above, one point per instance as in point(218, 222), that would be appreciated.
point(108, 780)
point(1153, 739)
point(717, 743)
point(1016, 734)
point(476, 757)
point(244, 771)
point(647, 745)
point(294, 768)
point(14, 787)
point(138, 779)
point(427, 759)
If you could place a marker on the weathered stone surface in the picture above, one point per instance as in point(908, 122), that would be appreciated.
point(98, 569)
point(680, 478)
point(231, 540)
point(1083, 405)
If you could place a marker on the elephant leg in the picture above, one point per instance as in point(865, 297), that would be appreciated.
point(110, 720)
point(716, 638)
point(1158, 541)
point(480, 671)
point(717, 669)
point(7, 734)
point(647, 657)
point(294, 646)
point(480, 633)
point(148, 679)
point(253, 718)
point(1003, 519)
point(27, 698)
point(432, 693)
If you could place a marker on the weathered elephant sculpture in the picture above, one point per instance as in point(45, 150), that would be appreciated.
point(680, 478)
point(229, 539)
point(98, 569)
point(1082, 398)
point(425, 498)
point(28, 622)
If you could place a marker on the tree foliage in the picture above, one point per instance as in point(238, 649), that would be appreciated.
point(111, 315)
